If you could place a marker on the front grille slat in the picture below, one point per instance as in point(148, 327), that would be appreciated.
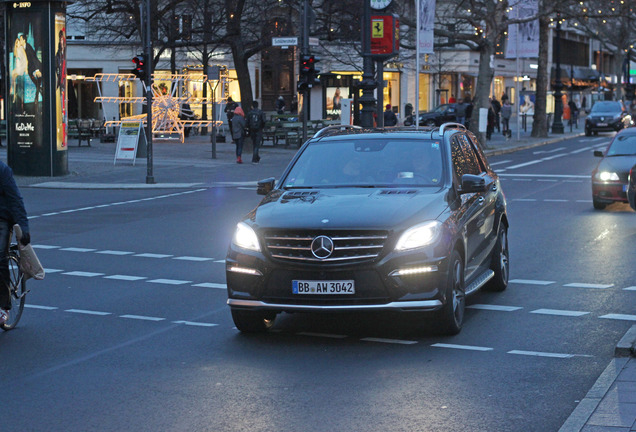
point(349, 246)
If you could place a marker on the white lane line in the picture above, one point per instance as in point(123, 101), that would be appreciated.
point(586, 285)
point(151, 255)
point(564, 176)
point(559, 312)
point(622, 317)
point(522, 180)
point(500, 162)
point(549, 151)
point(211, 285)
point(548, 180)
point(462, 347)
point(45, 247)
point(114, 252)
point(324, 335)
point(169, 281)
point(141, 317)
point(494, 307)
point(32, 306)
point(524, 164)
point(554, 157)
point(88, 312)
point(546, 354)
point(192, 258)
point(556, 200)
point(195, 324)
point(631, 288)
point(125, 277)
point(220, 261)
point(581, 150)
point(531, 282)
point(584, 201)
point(83, 274)
point(74, 249)
point(525, 199)
point(50, 270)
point(391, 341)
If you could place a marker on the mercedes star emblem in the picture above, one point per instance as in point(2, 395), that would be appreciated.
point(322, 247)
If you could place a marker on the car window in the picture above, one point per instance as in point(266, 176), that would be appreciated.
point(465, 159)
point(606, 107)
point(367, 163)
point(623, 145)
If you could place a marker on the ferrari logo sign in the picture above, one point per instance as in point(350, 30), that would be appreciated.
point(385, 35)
point(377, 28)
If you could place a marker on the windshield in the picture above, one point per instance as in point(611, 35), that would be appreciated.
point(623, 145)
point(608, 107)
point(368, 163)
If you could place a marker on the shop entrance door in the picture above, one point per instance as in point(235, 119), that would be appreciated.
point(278, 74)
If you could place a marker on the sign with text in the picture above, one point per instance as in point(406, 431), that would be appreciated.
point(284, 41)
point(385, 35)
point(128, 141)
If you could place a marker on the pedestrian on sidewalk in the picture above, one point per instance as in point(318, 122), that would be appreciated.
point(460, 111)
point(238, 132)
point(469, 110)
point(255, 125)
point(506, 113)
point(497, 108)
point(390, 119)
point(280, 105)
point(229, 111)
point(490, 127)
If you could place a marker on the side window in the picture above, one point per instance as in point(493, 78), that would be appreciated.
point(483, 162)
point(471, 161)
point(461, 160)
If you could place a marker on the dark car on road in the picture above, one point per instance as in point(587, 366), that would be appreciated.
point(442, 114)
point(371, 220)
point(610, 177)
point(607, 116)
point(631, 188)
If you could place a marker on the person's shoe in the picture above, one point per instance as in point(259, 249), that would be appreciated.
point(239, 160)
point(4, 316)
point(255, 162)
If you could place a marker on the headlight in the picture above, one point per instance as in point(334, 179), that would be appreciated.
point(419, 235)
point(245, 237)
point(607, 176)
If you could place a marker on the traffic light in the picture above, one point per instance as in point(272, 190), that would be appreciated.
point(140, 67)
point(308, 74)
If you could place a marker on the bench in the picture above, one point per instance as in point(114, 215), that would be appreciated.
point(80, 130)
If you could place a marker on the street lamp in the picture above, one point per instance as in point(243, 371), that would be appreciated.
point(557, 124)
point(368, 83)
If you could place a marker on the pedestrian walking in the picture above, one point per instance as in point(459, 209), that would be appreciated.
point(12, 211)
point(574, 114)
point(238, 132)
point(255, 125)
point(490, 128)
point(229, 111)
point(469, 110)
point(497, 108)
point(506, 113)
point(280, 105)
point(390, 119)
point(460, 111)
point(186, 114)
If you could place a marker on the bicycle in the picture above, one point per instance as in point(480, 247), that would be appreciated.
point(17, 287)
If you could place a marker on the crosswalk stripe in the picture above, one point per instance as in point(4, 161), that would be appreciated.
point(462, 347)
point(393, 341)
point(558, 312)
point(169, 281)
point(531, 282)
point(211, 285)
point(494, 307)
point(587, 285)
point(88, 312)
point(619, 317)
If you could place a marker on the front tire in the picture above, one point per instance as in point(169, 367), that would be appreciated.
point(253, 321)
point(500, 262)
point(597, 204)
point(18, 293)
point(451, 315)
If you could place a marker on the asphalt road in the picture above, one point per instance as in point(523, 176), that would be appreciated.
point(130, 331)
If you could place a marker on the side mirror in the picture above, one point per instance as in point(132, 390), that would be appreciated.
point(598, 153)
point(265, 186)
point(472, 183)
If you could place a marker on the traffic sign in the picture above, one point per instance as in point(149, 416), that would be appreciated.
point(284, 41)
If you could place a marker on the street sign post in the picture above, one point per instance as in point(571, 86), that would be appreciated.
point(285, 41)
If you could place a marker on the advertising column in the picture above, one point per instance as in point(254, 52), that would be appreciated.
point(35, 88)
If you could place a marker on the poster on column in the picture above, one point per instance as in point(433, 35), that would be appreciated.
point(523, 37)
point(425, 34)
point(61, 115)
point(26, 80)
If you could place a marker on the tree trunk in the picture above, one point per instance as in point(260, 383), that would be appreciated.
point(482, 90)
point(243, 75)
point(540, 121)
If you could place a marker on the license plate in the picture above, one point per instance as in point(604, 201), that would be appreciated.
point(601, 124)
point(323, 287)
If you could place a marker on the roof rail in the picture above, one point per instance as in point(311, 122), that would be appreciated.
point(327, 129)
point(450, 125)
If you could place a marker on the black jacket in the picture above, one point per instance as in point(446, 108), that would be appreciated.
point(11, 204)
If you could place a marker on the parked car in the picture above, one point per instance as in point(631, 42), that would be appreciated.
point(442, 114)
point(631, 188)
point(610, 177)
point(607, 116)
point(398, 220)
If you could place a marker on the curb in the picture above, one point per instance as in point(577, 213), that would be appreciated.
point(626, 347)
point(497, 152)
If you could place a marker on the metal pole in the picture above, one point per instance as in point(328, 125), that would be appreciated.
point(150, 179)
point(417, 65)
point(305, 51)
point(557, 124)
point(213, 138)
point(517, 96)
point(380, 80)
point(368, 84)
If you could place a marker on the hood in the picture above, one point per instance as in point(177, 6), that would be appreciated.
point(341, 208)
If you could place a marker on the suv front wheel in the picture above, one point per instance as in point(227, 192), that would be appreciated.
point(451, 315)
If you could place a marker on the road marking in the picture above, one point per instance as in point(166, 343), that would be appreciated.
point(87, 312)
point(114, 252)
point(325, 335)
point(556, 200)
point(524, 164)
point(50, 270)
point(462, 347)
point(525, 199)
point(195, 324)
point(619, 317)
point(141, 317)
point(546, 354)
point(211, 285)
point(75, 249)
point(32, 306)
point(169, 281)
point(500, 162)
point(559, 312)
point(531, 282)
point(549, 151)
point(631, 288)
point(522, 179)
point(586, 285)
point(125, 277)
point(494, 307)
point(45, 247)
point(581, 150)
point(220, 261)
point(564, 176)
point(548, 180)
point(391, 341)
point(151, 255)
point(192, 258)
point(83, 274)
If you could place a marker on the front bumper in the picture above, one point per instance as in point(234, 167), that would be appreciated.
point(608, 126)
point(609, 192)
point(398, 305)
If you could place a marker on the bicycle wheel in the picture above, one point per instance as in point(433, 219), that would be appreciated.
point(18, 292)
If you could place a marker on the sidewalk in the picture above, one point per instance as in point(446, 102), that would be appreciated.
point(609, 406)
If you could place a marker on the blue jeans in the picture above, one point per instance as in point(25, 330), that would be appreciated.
point(257, 141)
point(239, 146)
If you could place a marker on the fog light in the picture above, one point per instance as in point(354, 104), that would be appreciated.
point(245, 270)
point(413, 271)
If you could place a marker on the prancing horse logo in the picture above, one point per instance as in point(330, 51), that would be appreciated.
point(322, 247)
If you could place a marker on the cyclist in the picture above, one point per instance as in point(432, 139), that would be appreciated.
point(12, 211)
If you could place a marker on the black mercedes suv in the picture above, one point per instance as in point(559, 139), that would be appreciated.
point(369, 220)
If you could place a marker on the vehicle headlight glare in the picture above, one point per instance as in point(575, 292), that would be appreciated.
point(419, 235)
point(245, 237)
point(607, 176)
